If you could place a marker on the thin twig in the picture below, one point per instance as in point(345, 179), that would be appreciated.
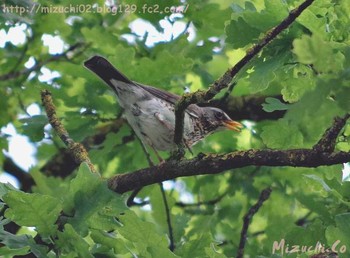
point(130, 202)
point(183, 204)
point(264, 195)
point(228, 92)
point(168, 218)
point(302, 221)
point(77, 150)
point(210, 202)
point(225, 80)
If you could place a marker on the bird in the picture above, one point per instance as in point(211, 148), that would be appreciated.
point(150, 111)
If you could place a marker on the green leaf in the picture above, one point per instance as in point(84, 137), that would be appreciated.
point(109, 240)
point(84, 181)
point(337, 236)
point(33, 210)
point(3, 146)
point(196, 246)
point(6, 188)
point(33, 127)
point(239, 33)
point(265, 72)
point(275, 11)
point(48, 185)
point(8, 252)
point(49, 23)
point(209, 19)
point(143, 236)
point(93, 203)
point(273, 104)
point(294, 88)
point(282, 134)
point(158, 209)
point(313, 50)
point(315, 23)
point(19, 244)
point(320, 181)
point(213, 253)
point(71, 243)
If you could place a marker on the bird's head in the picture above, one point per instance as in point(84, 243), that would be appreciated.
point(214, 119)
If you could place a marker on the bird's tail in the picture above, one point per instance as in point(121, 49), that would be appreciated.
point(105, 70)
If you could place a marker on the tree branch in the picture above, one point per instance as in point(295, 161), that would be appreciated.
point(214, 164)
point(62, 164)
point(77, 150)
point(209, 202)
point(225, 80)
point(328, 140)
point(168, 218)
point(264, 195)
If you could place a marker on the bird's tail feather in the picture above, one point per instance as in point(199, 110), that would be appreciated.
point(105, 70)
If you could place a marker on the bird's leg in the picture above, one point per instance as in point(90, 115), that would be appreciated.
point(148, 156)
point(147, 153)
point(130, 201)
point(161, 160)
point(188, 147)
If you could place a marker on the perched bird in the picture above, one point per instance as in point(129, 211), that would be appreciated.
point(150, 111)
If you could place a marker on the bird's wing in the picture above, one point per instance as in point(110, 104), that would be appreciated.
point(168, 96)
point(172, 98)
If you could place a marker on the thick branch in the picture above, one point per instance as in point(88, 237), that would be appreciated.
point(224, 81)
point(214, 164)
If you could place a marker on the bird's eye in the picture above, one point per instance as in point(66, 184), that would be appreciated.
point(219, 115)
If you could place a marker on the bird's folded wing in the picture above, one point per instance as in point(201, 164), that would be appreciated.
point(172, 98)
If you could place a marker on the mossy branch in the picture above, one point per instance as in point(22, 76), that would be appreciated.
point(77, 150)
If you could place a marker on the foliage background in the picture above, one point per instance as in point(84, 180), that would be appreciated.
point(307, 67)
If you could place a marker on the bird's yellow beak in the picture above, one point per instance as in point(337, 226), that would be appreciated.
point(233, 125)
